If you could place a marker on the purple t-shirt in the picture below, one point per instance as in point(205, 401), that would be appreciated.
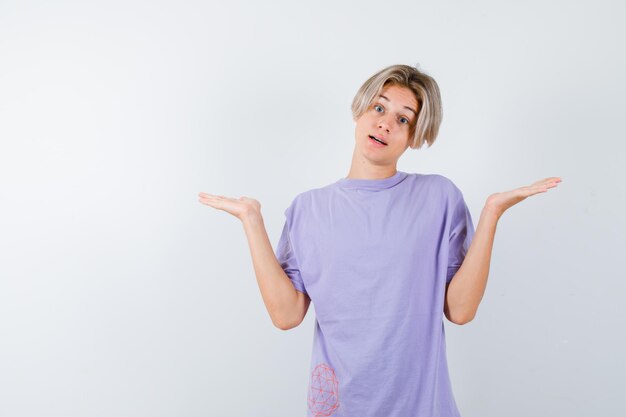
point(375, 256)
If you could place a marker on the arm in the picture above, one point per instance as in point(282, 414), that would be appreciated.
point(466, 289)
point(285, 305)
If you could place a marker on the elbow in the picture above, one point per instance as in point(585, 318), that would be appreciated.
point(285, 327)
point(279, 324)
point(464, 319)
point(461, 318)
point(286, 320)
point(282, 326)
point(285, 324)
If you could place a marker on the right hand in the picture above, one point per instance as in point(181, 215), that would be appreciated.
point(241, 207)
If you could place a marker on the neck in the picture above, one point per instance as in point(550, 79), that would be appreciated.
point(371, 172)
point(362, 168)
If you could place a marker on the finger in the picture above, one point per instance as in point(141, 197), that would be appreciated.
point(216, 197)
point(552, 183)
point(218, 201)
point(210, 195)
point(211, 202)
point(534, 189)
point(553, 180)
point(207, 203)
point(213, 198)
point(542, 188)
point(547, 181)
point(206, 199)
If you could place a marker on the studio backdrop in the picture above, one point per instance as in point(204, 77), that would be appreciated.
point(121, 295)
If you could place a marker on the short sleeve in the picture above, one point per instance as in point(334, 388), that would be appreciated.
point(461, 234)
point(287, 259)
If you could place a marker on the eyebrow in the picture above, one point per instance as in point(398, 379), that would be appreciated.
point(406, 107)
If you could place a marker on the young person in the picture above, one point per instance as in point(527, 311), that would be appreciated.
point(384, 255)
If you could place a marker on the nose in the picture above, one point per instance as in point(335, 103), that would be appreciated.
point(384, 124)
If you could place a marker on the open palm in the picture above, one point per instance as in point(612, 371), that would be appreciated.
point(238, 207)
point(500, 202)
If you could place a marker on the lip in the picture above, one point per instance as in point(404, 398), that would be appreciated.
point(376, 144)
point(380, 138)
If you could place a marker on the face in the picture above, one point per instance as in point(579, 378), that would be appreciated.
point(391, 117)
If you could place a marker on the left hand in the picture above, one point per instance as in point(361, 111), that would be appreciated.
point(500, 202)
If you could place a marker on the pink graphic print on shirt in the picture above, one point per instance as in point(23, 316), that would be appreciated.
point(323, 391)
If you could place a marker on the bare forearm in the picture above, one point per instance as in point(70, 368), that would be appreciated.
point(279, 294)
point(467, 287)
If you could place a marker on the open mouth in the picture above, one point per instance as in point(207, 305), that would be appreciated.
point(377, 140)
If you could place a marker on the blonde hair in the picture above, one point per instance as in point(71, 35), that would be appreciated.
point(426, 90)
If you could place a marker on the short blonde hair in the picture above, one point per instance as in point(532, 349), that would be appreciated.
point(426, 92)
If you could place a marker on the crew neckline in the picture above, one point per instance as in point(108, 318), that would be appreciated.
point(372, 184)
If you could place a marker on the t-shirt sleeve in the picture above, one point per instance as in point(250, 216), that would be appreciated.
point(461, 234)
point(287, 259)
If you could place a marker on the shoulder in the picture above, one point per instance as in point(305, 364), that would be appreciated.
point(305, 199)
point(438, 182)
point(314, 194)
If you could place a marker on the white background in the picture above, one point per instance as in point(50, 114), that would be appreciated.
point(122, 295)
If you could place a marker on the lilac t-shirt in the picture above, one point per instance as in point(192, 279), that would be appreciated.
point(375, 256)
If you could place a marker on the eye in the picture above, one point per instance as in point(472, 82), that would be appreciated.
point(403, 120)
